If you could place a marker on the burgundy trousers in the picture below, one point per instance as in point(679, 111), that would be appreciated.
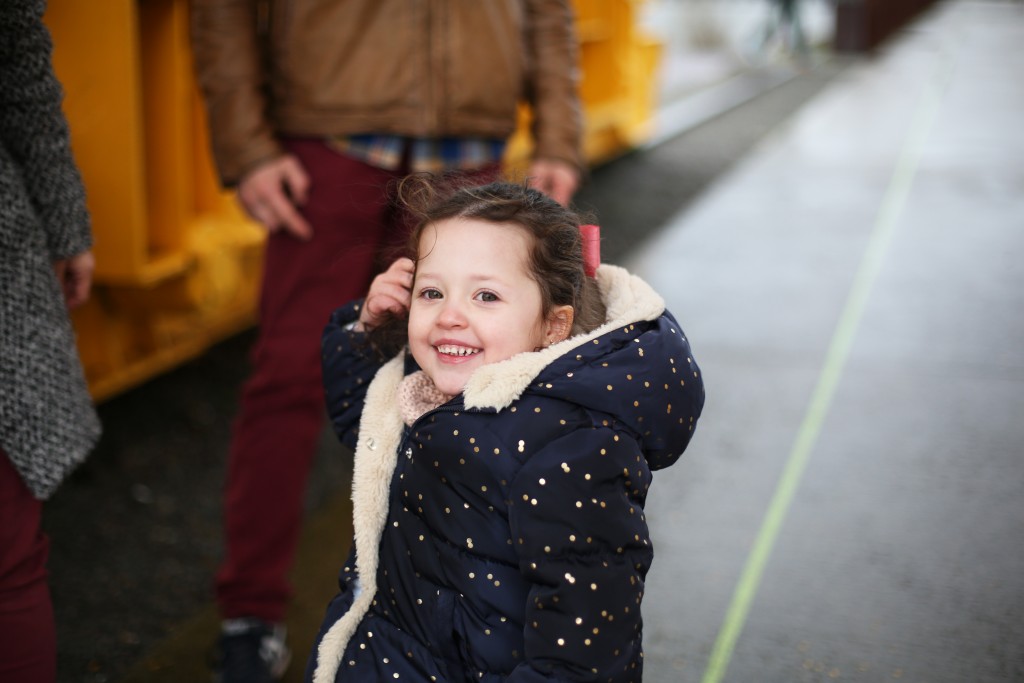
point(28, 639)
point(281, 412)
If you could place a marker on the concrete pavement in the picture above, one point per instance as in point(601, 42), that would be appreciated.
point(852, 506)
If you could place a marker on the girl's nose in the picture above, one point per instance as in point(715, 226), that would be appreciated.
point(451, 316)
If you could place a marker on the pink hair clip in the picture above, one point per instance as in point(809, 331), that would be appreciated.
point(591, 235)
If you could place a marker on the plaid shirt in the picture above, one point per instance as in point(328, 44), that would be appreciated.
point(433, 155)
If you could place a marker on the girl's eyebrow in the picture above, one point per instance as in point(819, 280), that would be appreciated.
point(473, 277)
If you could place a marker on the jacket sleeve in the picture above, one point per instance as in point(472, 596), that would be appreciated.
point(226, 48)
point(34, 131)
point(552, 86)
point(348, 367)
point(578, 525)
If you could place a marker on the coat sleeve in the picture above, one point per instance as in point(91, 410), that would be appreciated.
point(553, 80)
point(226, 48)
point(578, 526)
point(348, 367)
point(34, 131)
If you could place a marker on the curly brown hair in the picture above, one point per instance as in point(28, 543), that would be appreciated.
point(555, 261)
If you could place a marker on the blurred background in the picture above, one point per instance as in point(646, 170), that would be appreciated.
point(835, 213)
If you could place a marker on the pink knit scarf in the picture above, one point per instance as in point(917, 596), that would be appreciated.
point(417, 394)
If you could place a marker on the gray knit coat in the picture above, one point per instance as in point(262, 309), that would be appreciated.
point(47, 421)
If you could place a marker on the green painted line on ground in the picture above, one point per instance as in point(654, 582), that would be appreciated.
point(835, 360)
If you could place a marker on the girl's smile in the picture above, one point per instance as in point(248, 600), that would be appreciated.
point(456, 351)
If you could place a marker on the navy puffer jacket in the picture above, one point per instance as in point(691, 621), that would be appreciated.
point(502, 536)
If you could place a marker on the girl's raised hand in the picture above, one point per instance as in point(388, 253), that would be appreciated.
point(391, 291)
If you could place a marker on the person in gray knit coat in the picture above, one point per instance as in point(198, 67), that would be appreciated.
point(47, 420)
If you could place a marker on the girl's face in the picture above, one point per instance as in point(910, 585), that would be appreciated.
point(474, 302)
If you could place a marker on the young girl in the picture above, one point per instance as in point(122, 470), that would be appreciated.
point(504, 455)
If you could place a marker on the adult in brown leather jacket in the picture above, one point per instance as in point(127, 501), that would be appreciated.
point(315, 108)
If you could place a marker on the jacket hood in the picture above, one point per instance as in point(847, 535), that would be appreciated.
point(638, 366)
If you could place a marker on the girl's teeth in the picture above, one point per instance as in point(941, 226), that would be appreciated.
point(456, 350)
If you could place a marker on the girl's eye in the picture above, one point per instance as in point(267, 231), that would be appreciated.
point(431, 294)
point(488, 297)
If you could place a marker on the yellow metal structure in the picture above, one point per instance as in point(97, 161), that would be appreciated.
point(618, 63)
point(177, 263)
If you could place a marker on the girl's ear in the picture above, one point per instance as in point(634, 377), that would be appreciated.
point(559, 324)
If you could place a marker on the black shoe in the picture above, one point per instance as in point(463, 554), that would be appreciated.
point(251, 651)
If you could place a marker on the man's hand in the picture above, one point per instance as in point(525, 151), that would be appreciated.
point(74, 275)
point(271, 192)
point(391, 291)
point(557, 179)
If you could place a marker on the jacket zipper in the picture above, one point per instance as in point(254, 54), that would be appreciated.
point(404, 446)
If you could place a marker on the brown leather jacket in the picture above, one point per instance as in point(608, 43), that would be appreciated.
point(411, 67)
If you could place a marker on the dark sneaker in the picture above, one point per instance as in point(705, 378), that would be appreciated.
point(251, 651)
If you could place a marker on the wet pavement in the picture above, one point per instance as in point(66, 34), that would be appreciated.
point(843, 248)
point(852, 507)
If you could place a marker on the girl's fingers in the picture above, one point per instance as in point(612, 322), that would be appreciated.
point(394, 290)
point(392, 305)
point(403, 269)
point(389, 291)
point(396, 280)
point(391, 297)
point(386, 302)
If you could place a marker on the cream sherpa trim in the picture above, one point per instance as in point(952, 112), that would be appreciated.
point(627, 299)
point(376, 454)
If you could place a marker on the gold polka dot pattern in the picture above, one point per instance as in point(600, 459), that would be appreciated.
point(515, 538)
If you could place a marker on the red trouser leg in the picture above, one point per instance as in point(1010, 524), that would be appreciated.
point(28, 638)
point(281, 413)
